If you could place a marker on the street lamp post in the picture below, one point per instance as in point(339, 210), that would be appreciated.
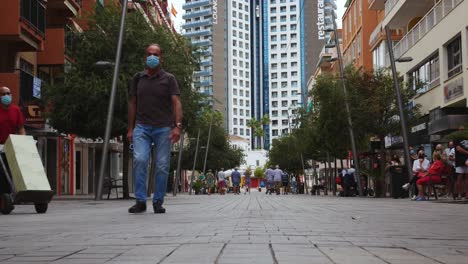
point(179, 162)
point(396, 86)
point(348, 112)
point(110, 109)
point(194, 163)
point(208, 143)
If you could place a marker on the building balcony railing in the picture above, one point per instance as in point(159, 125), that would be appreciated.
point(425, 25)
point(201, 43)
point(66, 8)
point(200, 23)
point(200, 13)
point(202, 73)
point(33, 12)
point(195, 4)
point(206, 63)
point(203, 83)
point(389, 5)
point(198, 33)
point(376, 4)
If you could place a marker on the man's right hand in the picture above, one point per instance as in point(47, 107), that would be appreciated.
point(130, 135)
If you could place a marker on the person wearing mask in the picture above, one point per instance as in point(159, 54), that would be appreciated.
point(154, 117)
point(420, 167)
point(11, 122)
point(434, 175)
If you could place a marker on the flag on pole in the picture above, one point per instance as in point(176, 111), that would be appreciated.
point(173, 10)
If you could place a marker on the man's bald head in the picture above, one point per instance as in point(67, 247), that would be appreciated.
point(4, 90)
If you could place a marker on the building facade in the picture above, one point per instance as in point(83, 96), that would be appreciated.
point(358, 24)
point(434, 35)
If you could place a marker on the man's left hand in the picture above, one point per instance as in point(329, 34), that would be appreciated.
point(175, 135)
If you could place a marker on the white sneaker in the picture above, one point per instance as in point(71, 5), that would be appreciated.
point(414, 197)
point(405, 186)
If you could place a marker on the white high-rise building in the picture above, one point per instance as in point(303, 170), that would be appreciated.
point(221, 30)
point(282, 30)
point(238, 68)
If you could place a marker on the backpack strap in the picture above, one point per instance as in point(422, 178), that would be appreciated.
point(136, 79)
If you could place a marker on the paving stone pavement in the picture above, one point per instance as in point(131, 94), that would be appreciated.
point(254, 228)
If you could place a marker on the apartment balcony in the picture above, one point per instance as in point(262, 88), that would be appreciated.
point(330, 3)
point(195, 4)
point(199, 13)
point(208, 92)
point(203, 83)
point(198, 33)
point(203, 73)
point(24, 23)
point(206, 63)
point(401, 13)
point(63, 8)
point(199, 43)
point(376, 4)
point(379, 35)
point(200, 23)
point(54, 48)
point(425, 25)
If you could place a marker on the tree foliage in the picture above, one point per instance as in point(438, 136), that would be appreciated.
point(221, 154)
point(79, 103)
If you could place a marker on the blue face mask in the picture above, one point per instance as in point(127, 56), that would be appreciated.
point(152, 61)
point(6, 100)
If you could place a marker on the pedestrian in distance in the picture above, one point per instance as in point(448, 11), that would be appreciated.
point(294, 184)
point(210, 182)
point(285, 182)
point(269, 176)
point(154, 117)
point(247, 174)
point(11, 122)
point(236, 178)
point(278, 173)
point(221, 181)
point(461, 167)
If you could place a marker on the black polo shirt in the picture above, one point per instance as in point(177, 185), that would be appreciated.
point(153, 96)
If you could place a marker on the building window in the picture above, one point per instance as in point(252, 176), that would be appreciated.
point(284, 103)
point(234, 91)
point(283, 37)
point(235, 121)
point(273, 29)
point(426, 76)
point(235, 111)
point(274, 103)
point(284, 84)
point(292, 8)
point(293, 18)
point(284, 94)
point(274, 85)
point(454, 55)
point(274, 132)
point(274, 95)
point(274, 113)
point(235, 131)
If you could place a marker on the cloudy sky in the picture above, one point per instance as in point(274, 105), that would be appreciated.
point(178, 6)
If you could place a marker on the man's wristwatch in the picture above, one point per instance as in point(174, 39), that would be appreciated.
point(179, 125)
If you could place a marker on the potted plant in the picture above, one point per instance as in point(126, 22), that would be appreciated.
point(197, 186)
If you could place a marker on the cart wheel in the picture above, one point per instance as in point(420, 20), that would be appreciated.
point(6, 204)
point(41, 208)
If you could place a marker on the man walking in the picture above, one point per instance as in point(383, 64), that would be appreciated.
point(278, 173)
point(154, 117)
point(269, 175)
point(236, 178)
point(210, 182)
point(11, 122)
point(461, 158)
point(247, 175)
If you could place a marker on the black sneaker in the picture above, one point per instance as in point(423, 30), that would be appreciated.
point(139, 207)
point(158, 209)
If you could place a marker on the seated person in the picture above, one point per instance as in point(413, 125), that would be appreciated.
point(433, 174)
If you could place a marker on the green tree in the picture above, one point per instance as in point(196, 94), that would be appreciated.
point(221, 153)
point(259, 172)
point(78, 104)
point(258, 131)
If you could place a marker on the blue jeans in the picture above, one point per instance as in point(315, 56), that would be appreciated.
point(143, 136)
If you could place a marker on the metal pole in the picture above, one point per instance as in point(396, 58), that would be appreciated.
point(208, 144)
point(348, 112)
point(194, 163)
point(396, 86)
point(110, 110)
point(305, 175)
point(179, 161)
